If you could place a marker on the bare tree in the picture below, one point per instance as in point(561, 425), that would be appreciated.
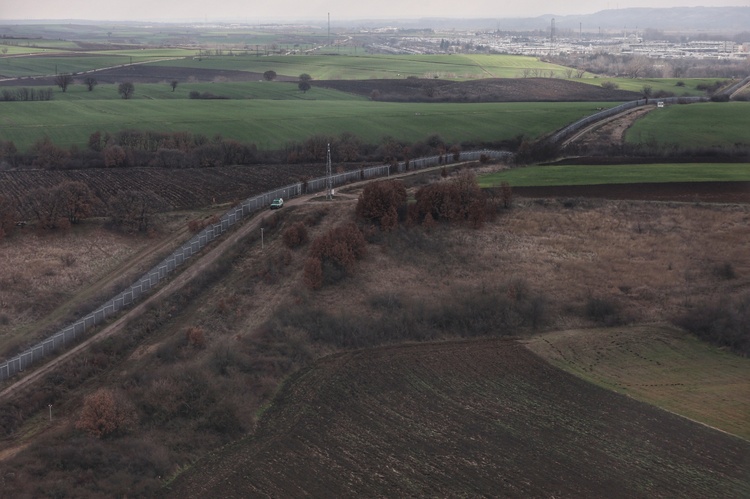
point(134, 211)
point(76, 201)
point(173, 84)
point(126, 90)
point(90, 82)
point(63, 80)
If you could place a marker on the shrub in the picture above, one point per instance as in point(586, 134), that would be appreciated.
point(610, 85)
point(457, 200)
point(333, 255)
point(295, 236)
point(603, 311)
point(725, 271)
point(724, 322)
point(381, 202)
point(106, 412)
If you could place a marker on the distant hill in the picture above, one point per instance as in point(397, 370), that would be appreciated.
point(727, 20)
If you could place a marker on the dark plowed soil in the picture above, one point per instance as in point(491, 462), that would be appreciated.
point(707, 192)
point(149, 73)
point(487, 90)
point(465, 419)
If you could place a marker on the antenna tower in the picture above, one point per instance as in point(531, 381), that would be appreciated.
point(329, 175)
point(552, 37)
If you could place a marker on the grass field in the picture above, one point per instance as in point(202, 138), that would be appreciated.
point(690, 87)
point(326, 67)
point(617, 174)
point(706, 124)
point(77, 62)
point(271, 124)
point(661, 366)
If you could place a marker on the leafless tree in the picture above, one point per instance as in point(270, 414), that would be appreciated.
point(90, 82)
point(63, 80)
point(126, 90)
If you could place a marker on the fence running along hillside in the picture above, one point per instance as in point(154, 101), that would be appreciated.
point(71, 334)
point(569, 130)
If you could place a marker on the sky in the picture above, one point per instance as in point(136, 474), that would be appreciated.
point(249, 11)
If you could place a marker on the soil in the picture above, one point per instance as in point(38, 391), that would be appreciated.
point(477, 418)
point(703, 192)
point(609, 131)
point(485, 90)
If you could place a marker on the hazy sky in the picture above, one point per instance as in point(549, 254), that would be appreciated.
point(253, 11)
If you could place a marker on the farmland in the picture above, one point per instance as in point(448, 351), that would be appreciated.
point(272, 124)
point(700, 125)
point(561, 175)
point(661, 366)
point(481, 416)
point(246, 381)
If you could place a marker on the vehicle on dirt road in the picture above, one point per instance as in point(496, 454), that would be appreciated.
point(277, 203)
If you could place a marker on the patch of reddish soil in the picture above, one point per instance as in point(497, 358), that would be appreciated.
point(465, 418)
point(485, 90)
point(705, 192)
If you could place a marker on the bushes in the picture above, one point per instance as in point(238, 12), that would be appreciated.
point(295, 236)
point(106, 412)
point(458, 200)
point(333, 255)
point(500, 310)
point(382, 203)
point(724, 322)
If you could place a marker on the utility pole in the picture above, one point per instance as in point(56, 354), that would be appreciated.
point(329, 175)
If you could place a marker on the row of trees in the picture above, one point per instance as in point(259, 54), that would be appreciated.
point(641, 66)
point(125, 89)
point(136, 148)
point(69, 203)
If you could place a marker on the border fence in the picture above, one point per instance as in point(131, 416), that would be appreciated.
point(588, 120)
point(70, 334)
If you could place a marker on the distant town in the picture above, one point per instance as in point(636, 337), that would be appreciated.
point(544, 45)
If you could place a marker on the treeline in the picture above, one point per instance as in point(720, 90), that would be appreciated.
point(641, 66)
point(64, 205)
point(138, 148)
point(26, 94)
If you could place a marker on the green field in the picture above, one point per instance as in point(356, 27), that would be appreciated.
point(551, 175)
point(77, 62)
point(272, 124)
point(690, 87)
point(358, 67)
point(699, 125)
point(661, 366)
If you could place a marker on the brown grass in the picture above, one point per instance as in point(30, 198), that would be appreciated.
point(651, 260)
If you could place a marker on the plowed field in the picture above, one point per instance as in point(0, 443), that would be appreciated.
point(485, 90)
point(707, 192)
point(467, 418)
point(180, 188)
